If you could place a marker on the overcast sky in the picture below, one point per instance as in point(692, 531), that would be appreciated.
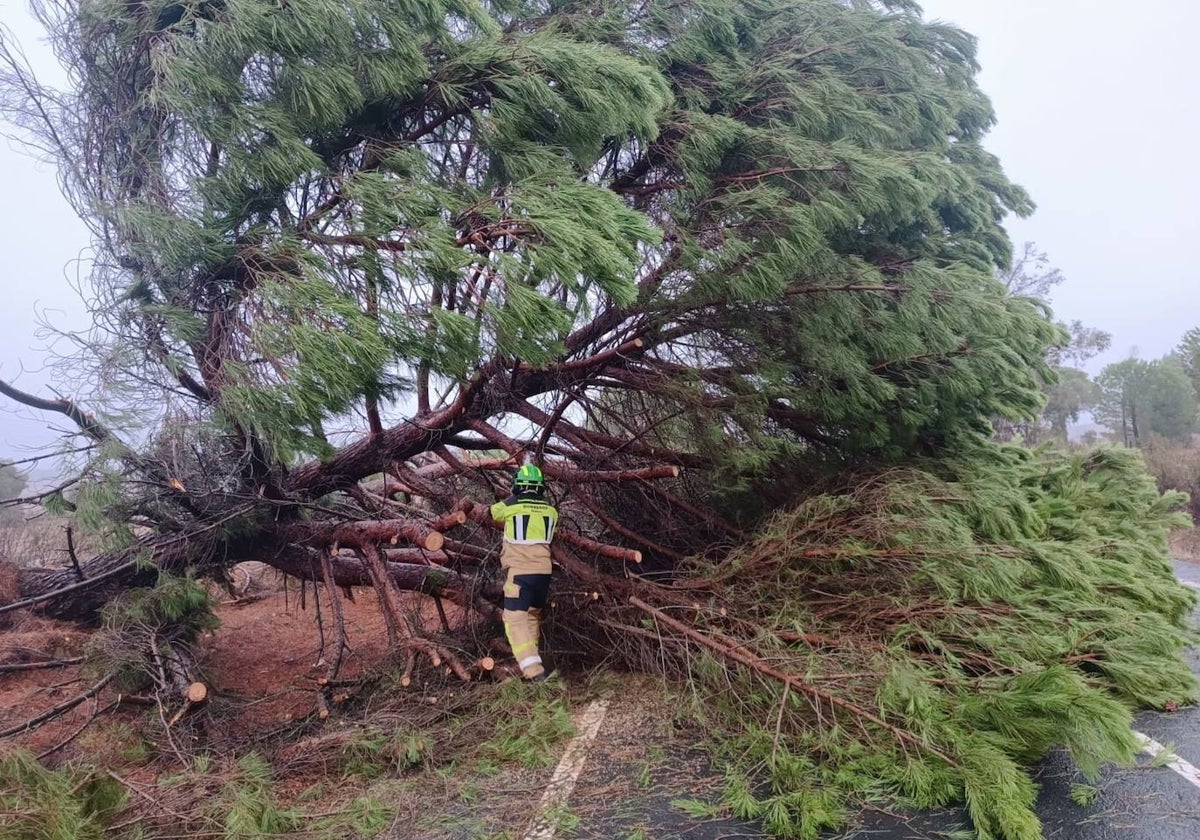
point(1098, 117)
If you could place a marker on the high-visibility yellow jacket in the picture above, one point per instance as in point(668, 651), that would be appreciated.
point(529, 523)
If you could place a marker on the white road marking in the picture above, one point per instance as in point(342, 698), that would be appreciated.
point(1155, 749)
point(568, 770)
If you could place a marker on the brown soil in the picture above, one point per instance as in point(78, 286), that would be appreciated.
point(261, 666)
point(24, 694)
point(265, 659)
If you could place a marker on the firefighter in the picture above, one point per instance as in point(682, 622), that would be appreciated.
point(529, 522)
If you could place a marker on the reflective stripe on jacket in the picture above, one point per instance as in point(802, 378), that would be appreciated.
point(527, 520)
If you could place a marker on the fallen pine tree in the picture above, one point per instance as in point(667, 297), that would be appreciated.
point(920, 637)
point(924, 637)
point(357, 261)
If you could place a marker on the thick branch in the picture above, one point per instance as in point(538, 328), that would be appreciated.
point(370, 532)
point(613, 552)
point(86, 422)
point(376, 453)
point(411, 577)
point(60, 709)
point(555, 469)
point(628, 533)
point(593, 439)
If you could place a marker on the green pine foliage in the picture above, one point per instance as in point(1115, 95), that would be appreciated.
point(837, 152)
point(991, 610)
point(173, 613)
point(73, 802)
point(311, 209)
point(375, 752)
point(789, 201)
point(180, 605)
point(529, 726)
point(246, 807)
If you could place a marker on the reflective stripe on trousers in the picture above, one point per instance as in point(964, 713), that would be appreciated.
point(522, 627)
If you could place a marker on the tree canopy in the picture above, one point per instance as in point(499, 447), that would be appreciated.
point(312, 212)
point(1139, 398)
point(352, 250)
point(1188, 353)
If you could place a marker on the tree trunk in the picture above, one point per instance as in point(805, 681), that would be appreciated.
point(57, 594)
point(411, 577)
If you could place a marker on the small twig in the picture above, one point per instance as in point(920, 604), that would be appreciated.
point(335, 600)
point(157, 803)
point(37, 666)
point(60, 709)
point(75, 734)
point(779, 721)
point(71, 552)
point(37, 498)
point(86, 421)
point(36, 458)
point(317, 607)
point(442, 613)
point(170, 737)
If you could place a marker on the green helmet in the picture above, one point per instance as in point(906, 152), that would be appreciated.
point(529, 476)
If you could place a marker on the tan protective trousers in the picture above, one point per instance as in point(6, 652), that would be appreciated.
point(523, 603)
point(522, 628)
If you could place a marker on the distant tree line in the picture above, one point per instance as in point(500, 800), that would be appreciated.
point(1134, 399)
